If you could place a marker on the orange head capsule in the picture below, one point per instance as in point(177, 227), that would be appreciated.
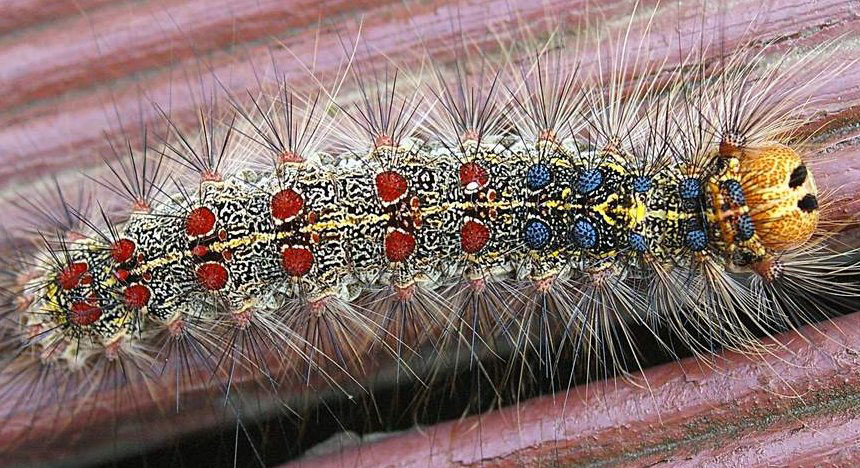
point(781, 195)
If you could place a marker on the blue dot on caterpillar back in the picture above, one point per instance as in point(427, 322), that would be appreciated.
point(735, 191)
point(690, 188)
point(584, 234)
point(746, 229)
point(696, 240)
point(538, 176)
point(537, 234)
point(588, 181)
point(637, 242)
point(641, 184)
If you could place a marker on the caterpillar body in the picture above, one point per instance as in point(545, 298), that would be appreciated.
point(535, 215)
point(435, 217)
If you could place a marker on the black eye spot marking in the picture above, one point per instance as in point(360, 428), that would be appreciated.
point(808, 203)
point(798, 177)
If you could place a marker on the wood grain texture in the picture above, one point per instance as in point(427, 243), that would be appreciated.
point(795, 407)
point(71, 67)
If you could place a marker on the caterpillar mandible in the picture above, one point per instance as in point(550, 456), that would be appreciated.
point(534, 209)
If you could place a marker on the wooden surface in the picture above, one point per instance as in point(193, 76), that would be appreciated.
point(70, 67)
point(798, 406)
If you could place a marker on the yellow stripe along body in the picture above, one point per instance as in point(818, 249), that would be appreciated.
point(497, 211)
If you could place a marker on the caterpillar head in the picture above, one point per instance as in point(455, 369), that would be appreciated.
point(765, 203)
point(781, 195)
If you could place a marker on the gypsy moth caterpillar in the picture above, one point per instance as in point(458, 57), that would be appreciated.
point(522, 335)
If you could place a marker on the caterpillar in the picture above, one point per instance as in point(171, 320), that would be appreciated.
point(533, 211)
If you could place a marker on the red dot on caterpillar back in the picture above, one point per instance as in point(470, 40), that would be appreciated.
point(84, 313)
point(473, 176)
point(391, 186)
point(297, 261)
point(473, 236)
point(136, 296)
point(286, 204)
point(399, 245)
point(200, 222)
point(122, 274)
point(122, 250)
point(211, 276)
point(71, 276)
